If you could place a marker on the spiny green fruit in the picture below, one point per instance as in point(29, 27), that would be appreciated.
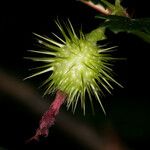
point(77, 65)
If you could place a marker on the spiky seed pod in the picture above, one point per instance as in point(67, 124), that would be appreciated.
point(77, 65)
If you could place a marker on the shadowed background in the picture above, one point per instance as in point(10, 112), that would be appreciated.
point(21, 105)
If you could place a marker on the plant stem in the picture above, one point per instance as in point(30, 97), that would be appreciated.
point(97, 7)
point(49, 116)
point(111, 9)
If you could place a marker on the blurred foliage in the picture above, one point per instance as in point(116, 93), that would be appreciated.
point(139, 27)
point(119, 20)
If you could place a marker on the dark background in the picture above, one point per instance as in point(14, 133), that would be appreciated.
point(128, 108)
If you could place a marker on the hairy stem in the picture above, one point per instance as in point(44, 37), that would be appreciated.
point(49, 116)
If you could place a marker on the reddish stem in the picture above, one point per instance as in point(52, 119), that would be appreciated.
point(97, 7)
point(49, 116)
point(100, 8)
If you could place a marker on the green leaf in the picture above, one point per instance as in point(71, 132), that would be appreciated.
point(139, 27)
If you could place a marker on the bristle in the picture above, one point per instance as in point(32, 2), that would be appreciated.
point(78, 66)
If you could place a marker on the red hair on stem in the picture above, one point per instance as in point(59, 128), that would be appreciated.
point(48, 118)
